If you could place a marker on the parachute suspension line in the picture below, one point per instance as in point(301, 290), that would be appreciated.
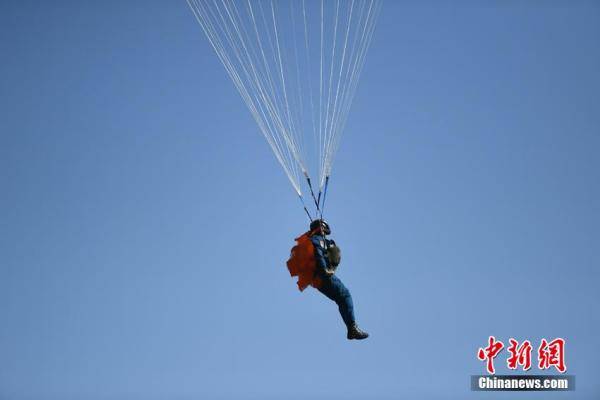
point(324, 196)
point(256, 83)
point(299, 105)
point(312, 193)
point(259, 43)
point(335, 111)
point(356, 61)
point(352, 82)
point(305, 209)
point(309, 77)
point(205, 17)
point(278, 103)
point(285, 96)
point(327, 130)
point(290, 148)
point(321, 90)
point(288, 131)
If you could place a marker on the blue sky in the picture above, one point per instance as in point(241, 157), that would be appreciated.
point(146, 224)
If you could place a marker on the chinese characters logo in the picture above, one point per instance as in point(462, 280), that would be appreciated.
point(549, 354)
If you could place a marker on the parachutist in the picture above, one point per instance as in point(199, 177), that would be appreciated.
point(314, 260)
point(286, 124)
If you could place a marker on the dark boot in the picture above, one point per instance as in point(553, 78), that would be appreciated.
point(354, 332)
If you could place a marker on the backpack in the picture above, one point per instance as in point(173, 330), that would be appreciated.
point(334, 254)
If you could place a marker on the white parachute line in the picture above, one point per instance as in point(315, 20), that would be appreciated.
point(331, 64)
point(309, 74)
point(293, 134)
point(264, 75)
point(354, 48)
point(296, 59)
point(354, 51)
point(282, 107)
point(204, 20)
point(322, 90)
point(360, 71)
point(210, 32)
point(268, 27)
point(365, 40)
point(241, 60)
point(365, 48)
point(257, 82)
point(218, 46)
point(253, 78)
point(294, 107)
point(277, 103)
point(277, 106)
point(262, 70)
point(352, 91)
point(287, 128)
point(292, 143)
point(335, 112)
point(300, 108)
point(370, 34)
point(326, 156)
point(321, 95)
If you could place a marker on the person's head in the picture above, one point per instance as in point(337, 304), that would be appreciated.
point(320, 226)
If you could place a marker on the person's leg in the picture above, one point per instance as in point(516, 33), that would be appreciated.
point(335, 290)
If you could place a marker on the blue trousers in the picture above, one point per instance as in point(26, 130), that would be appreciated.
point(335, 290)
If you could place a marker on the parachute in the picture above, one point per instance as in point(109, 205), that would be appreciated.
point(296, 65)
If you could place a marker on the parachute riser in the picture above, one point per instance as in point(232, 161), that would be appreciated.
point(322, 206)
point(317, 199)
point(305, 209)
point(312, 193)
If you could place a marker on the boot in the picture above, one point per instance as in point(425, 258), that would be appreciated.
point(354, 332)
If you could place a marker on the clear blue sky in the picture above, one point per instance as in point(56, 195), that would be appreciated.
point(145, 223)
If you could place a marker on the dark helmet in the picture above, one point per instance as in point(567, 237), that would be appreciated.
point(320, 223)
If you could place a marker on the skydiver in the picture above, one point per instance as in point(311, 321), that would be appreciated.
point(318, 270)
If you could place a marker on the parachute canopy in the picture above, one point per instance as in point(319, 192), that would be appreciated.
point(296, 65)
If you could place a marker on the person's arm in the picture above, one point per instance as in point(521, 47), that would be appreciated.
point(320, 258)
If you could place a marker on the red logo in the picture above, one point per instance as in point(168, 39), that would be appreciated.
point(489, 353)
point(550, 354)
point(519, 355)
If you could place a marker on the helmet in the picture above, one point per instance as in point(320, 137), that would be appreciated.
point(320, 223)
